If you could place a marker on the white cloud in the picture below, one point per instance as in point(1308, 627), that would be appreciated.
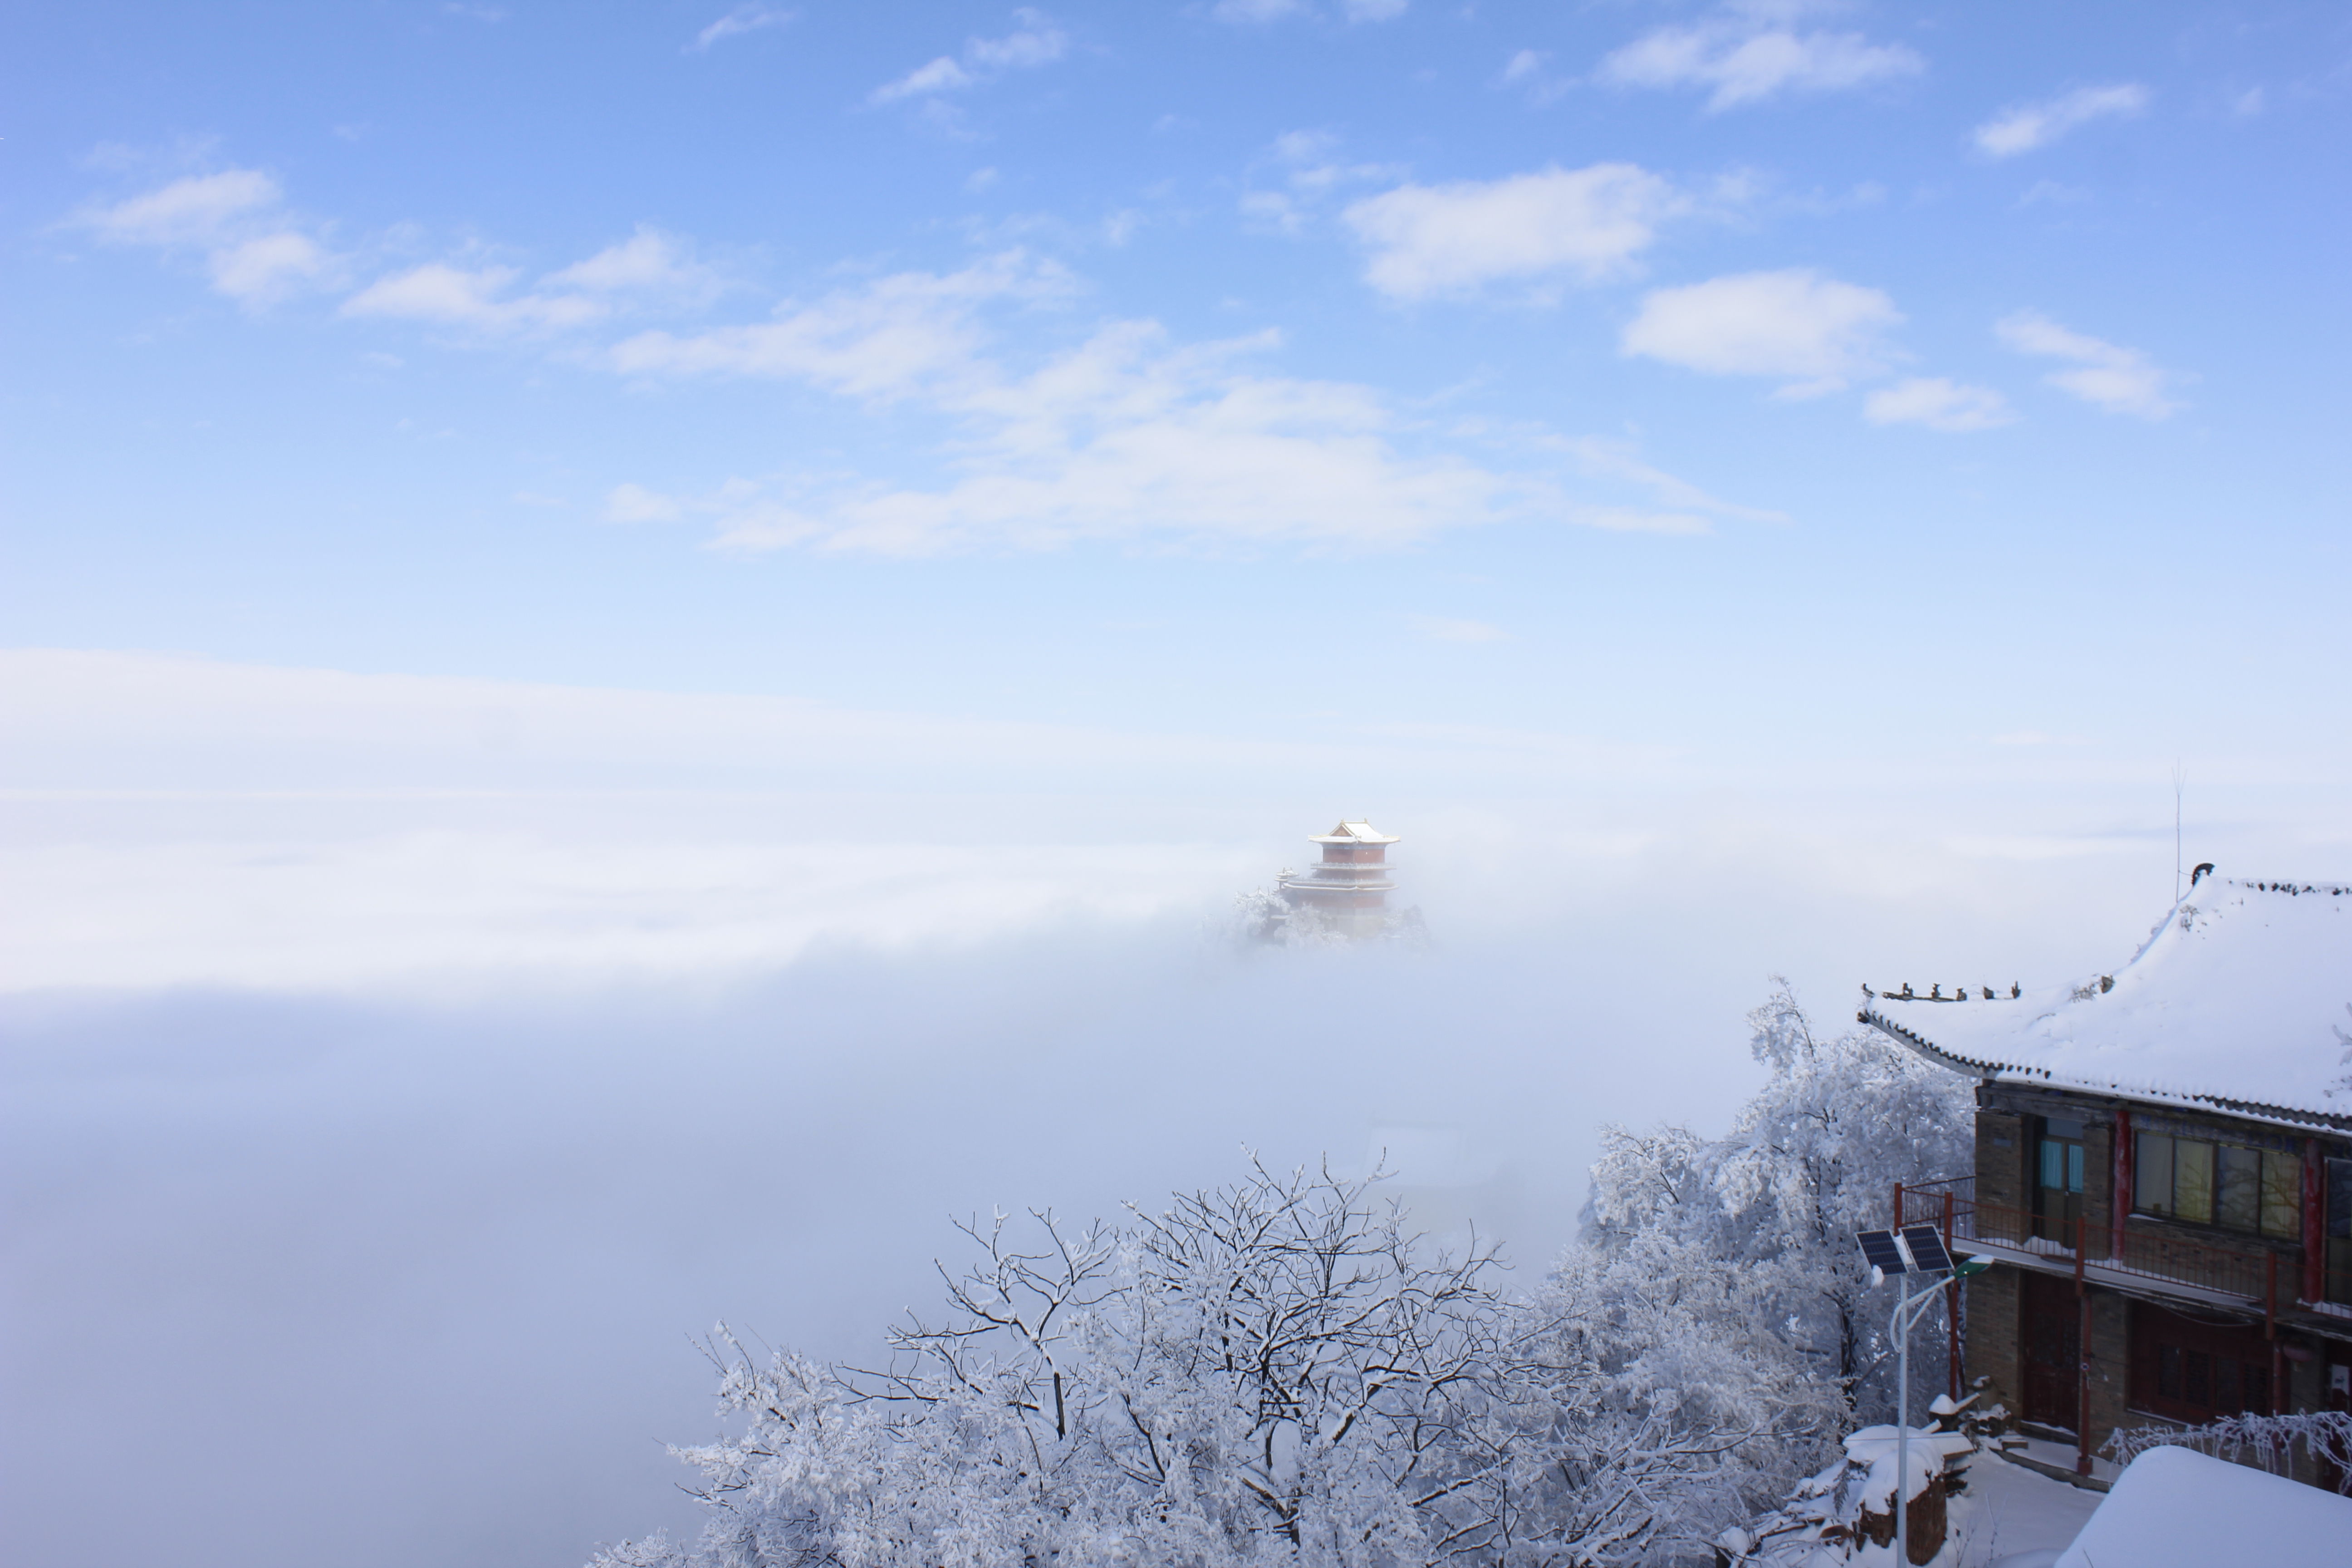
point(1035, 41)
point(254, 252)
point(1750, 53)
point(1938, 403)
point(197, 210)
point(1436, 629)
point(1529, 70)
point(750, 18)
point(1374, 10)
point(890, 338)
point(1588, 223)
point(370, 883)
point(1272, 210)
point(267, 268)
point(648, 264)
point(1125, 437)
point(1128, 437)
point(1309, 166)
point(941, 75)
point(310, 828)
point(2107, 375)
point(1306, 149)
point(634, 503)
point(647, 261)
point(1817, 331)
point(457, 296)
point(2024, 129)
point(1688, 508)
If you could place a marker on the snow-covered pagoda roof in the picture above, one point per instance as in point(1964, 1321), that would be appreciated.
point(2240, 1001)
point(1353, 832)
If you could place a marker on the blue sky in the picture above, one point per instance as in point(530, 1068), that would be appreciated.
point(1819, 397)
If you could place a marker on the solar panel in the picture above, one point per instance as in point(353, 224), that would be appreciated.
point(1927, 1250)
point(1878, 1247)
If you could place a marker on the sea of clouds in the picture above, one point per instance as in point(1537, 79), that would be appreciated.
point(396, 1074)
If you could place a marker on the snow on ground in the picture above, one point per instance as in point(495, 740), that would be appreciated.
point(2061, 1455)
point(2009, 1510)
point(2171, 1508)
point(2009, 1517)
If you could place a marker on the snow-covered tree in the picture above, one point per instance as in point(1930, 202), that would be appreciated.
point(1662, 1410)
point(1270, 1370)
point(1277, 1372)
point(1811, 1158)
point(1265, 917)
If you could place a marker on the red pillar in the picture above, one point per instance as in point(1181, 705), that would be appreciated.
point(1951, 1306)
point(2270, 1332)
point(2314, 1222)
point(2119, 1198)
point(2082, 1355)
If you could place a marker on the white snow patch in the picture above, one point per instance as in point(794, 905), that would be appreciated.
point(2177, 1509)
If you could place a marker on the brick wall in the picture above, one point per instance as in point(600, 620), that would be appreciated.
point(1991, 1349)
point(2110, 1365)
point(2000, 1159)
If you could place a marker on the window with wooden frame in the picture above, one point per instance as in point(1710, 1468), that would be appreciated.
point(2208, 1181)
point(2058, 1165)
point(2190, 1369)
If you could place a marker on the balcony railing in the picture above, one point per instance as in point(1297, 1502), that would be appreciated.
point(2252, 1276)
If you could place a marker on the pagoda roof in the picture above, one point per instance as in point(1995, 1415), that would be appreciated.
point(2240, 1001)
point(1354, 831)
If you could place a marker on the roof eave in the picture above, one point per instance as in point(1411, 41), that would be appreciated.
point(1928, 1048)
point(2014, 1072)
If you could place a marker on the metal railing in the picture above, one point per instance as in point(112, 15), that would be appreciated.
point(2150, 1253)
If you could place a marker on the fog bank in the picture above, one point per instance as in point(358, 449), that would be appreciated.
point(301, 1280)
point(391, 1088)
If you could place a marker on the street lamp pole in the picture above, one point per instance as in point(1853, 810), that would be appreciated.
point(1908, 1310)
point(1917, 1249)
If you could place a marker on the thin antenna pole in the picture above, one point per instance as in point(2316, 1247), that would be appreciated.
point(2179, 778)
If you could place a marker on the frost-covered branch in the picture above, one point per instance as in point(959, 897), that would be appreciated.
point(2325, 1437)
point(1280, 1370)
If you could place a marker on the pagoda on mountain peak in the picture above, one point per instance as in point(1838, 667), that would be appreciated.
point(1347, 892)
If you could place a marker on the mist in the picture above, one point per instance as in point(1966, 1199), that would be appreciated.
point(317, 1281)
point(375, 1151)
point(299, 1278)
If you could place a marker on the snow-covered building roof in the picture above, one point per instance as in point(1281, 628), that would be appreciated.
point(2173, 1507)
point(2240, 1001)
point(1353, 832)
